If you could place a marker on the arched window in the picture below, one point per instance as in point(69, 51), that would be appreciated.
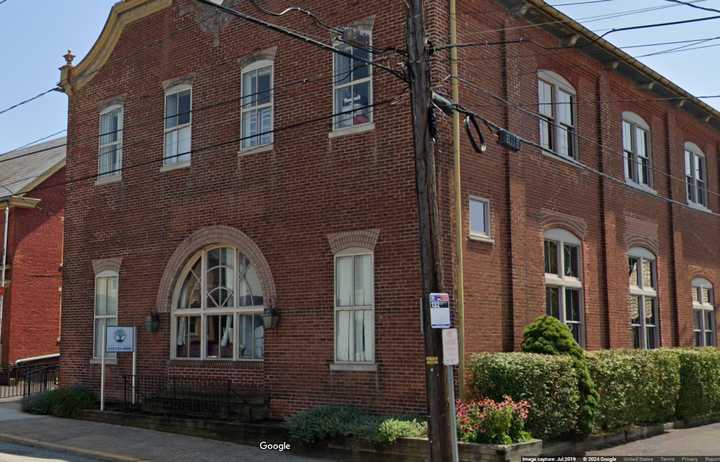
point(556, 103)
point(217, 308)
point(643, 298)
point(703, 303)
point(257, 104)
point(563, 280)
point(695, 175)
point(636, 149)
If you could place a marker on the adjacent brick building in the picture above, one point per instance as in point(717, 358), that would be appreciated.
point(246, 177)
point(31, 194)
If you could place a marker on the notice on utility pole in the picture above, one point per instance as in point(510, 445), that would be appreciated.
point(440, 311)
point(451, 352)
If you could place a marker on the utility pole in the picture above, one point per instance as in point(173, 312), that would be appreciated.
point(440, 431)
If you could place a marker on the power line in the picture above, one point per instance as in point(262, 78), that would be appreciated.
point(38, 140)
point(587, 2)
point(575, 133)
point(217, 145)
point(29, 100)
point(680, 2)
point(657, 24)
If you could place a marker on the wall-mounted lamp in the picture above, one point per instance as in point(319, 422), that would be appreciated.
point(270, 316)
point(152, 322)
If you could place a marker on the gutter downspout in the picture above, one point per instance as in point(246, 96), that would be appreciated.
point(2, 272)
point(459, 224)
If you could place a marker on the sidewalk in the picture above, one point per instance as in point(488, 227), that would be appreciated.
point(123, 444)
point(697, 441)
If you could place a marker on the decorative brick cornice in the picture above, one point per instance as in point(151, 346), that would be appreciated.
point(365, 239)
point(223, 235)
point(107, 264)
point(550, 219)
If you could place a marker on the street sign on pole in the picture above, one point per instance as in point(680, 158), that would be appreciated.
point(120, 339)
point(440, 311)
point(451, 352)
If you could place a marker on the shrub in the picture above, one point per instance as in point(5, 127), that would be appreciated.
point(635, 386)
point(699, 382)
point(548, 383)
point(61, 402)
point(490, 422)
point(548, 335)
point(329, 422)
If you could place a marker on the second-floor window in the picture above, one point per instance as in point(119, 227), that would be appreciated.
point(110, 153)
point(257, 105)
point(636, 149)
point(556, 104)
point(352, 82)
point(695, 175)
point(178, 125)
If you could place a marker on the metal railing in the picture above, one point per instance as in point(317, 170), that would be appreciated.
point(25, 381)
point(193, 397)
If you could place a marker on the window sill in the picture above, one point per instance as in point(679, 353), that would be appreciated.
point(257, 150)
point(481, 238)
point(564, 159)
point(640, 187)
point(353, 367)
point(108, 361)
point(171, 167)
point(351, 130)
point(698, 207)
point(108, 179)
point(217, 363)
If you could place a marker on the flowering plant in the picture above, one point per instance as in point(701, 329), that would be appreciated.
point(491, 422)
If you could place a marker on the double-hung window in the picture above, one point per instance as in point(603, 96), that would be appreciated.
point(636, 149)
point(354, 307)
point(257, 105)
point(352, 82)
point(111, 136)
point(563, 282)
point(643, 298)
point(556, 104)
point(703, 304)
point(695, 175)
point(178, 125)
point(106, 307)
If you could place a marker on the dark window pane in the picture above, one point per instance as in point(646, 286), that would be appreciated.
point(551, 257)
point(552, 301)
point(651, 337)
point(637, 337)
point(697, 319)
point(184, 107)
point(572, 304)
point(575, 329)
point(572, 257)
point(699, 339)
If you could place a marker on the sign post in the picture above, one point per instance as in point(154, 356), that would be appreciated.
point(117, 339)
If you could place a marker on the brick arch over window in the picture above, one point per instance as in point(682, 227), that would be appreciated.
point(207, 236)
point(550, 219)
point(645, 242)
point(365, 239)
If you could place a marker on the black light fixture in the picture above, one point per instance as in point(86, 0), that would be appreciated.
point(270, 316)
point(152, 322)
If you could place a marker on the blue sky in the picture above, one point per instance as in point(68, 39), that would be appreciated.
point(36, 33)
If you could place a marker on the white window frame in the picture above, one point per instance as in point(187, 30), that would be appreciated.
point(693, 155)
point(353, 252)
point(338, 44)
point(116, 171)
point(632, 156)
point(104, 275)
point(486, 234)
point(639, 290)
point(561, 281)
point(698, 304)
point(175, 162)
point(249, 69)
point(558, 83)
point(236, 311)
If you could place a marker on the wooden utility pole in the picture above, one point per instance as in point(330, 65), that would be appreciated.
point(439, 431)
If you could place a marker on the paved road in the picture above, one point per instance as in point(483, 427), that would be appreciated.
point(698, 441)
point(17, 453)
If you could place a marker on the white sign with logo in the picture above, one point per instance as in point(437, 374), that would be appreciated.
point(120, 339)
point(440, 311)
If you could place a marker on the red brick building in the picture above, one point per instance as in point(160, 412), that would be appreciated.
point(31, 252)
point(246, 177)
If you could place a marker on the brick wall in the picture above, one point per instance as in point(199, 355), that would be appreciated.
point(32, 310)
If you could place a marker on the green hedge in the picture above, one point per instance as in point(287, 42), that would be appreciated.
point(700, 382)
point(635, 387)
point(62, 402)
point(549, 383)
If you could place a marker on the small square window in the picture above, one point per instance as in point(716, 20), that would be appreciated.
point(479, 218)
